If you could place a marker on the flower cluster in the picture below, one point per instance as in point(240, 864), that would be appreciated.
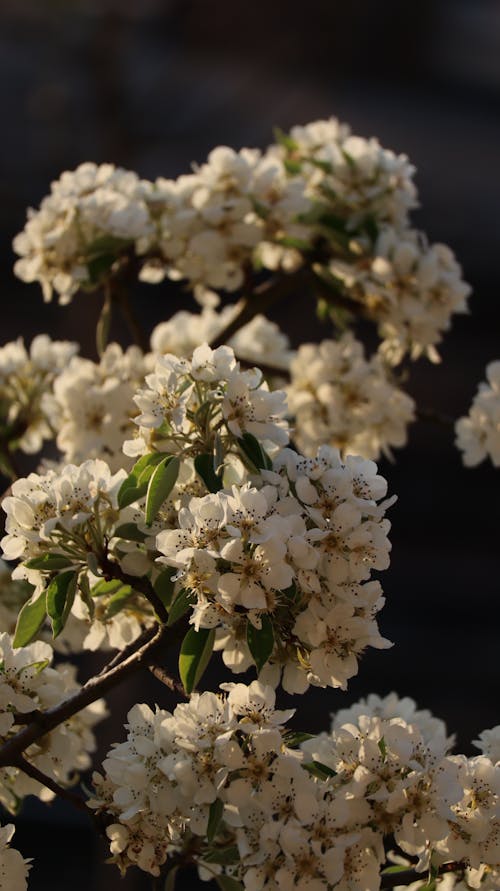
point(260, 340)
point(215, 782)
point(29, 683)
point(92, 215)
point(185, 403)
point(288, 563)
point(91, 405)
point(25, 378)
point(13, 867)
point(478, 434)
point(342, 399)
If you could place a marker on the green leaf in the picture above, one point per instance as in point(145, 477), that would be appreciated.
point(30, 620)
point(393, 869)
point(295, 738)
point(182, 603)
point(60, 596)
point(260, 641)
point(98, 267)
point(227, 883)
point(106, 587)
point(118, 600)
point(292, 167)
point(194, 656)
point(285, 140)
point(383, 748)
point(85, 593)
point(204, 466)
point(214, 819)
point(224, 856)
point(252, 449)
point(162, 482)
point(317, 769)
point(135, 485)
point(164, 586)
point(49, 562)
point(130, 532)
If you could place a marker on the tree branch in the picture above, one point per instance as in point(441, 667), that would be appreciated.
point(94, 688)
point(161, 675)
point(42, 778)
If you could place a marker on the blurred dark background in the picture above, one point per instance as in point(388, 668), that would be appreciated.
point(153, 86)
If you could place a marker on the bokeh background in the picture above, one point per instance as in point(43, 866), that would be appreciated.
point(153, 85)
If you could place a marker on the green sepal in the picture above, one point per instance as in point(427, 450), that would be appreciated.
point(30, 620)
point(60, 596)
point(182, 603)
point(260, 641)
point(136, 484)
point(161, 483)
point(214, 819)
point(164, 586)
point(253, 451)
point(49, 562)
point(194, 656)
point(204, 466)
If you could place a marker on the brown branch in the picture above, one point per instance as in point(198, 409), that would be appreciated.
point(94, 688)
point(161, 675)
point(407, 876)
point(435, 417)
point(42, 778)
point(142, 585)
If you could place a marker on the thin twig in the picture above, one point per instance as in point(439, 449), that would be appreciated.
point(121, 298)
point(51, 784)
point(94, 688)
point(161, 675)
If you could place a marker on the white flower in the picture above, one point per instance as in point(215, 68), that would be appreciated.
point(478, 434)
point(13, 867)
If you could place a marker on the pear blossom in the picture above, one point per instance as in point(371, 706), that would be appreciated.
point(478, 434)
point(13, 867)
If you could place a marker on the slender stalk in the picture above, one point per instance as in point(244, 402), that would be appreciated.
point(42, 778)
point(161, 675)
point(137, 333)
point(141, 585)
point(408, 876)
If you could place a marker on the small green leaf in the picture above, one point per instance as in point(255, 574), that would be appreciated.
point(295, 738)
point(260, 641)
point(252, 449)
point(214, 819)
point(394, 869)
point(135, 485)
point(292, 167)
point(30, 620)
point(164, 586)
point(319, 770)
point(117, 601)
point(106, 587)
point(182, 603)
point(204, 466)
point(227, 883)
point(163, 480)
point(383, 748)
point(60, 596)
point(285, 140)
point(85, 594)
point(130, 532)
point(223, 856)
point(194, 656)
point(49, 562)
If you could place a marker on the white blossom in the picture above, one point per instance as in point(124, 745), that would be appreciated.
point(13, 867)
point(478, 434)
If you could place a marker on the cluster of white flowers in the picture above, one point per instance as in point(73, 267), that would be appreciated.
point(260, 340)
point(25, 378)
point(29, 683)
point(358, 177)
point(290, 559)
point(185, 402)
point(92, 215)
point(478, 434)
point(91, 405)
point(409, 288)
point(13, 867)
point(216, 782)
point(342, 399)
